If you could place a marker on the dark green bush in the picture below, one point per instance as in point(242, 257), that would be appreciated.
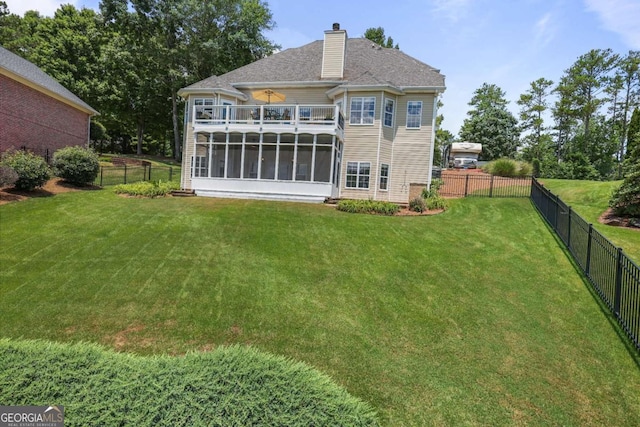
point(368, 206)
point(625, 201)
point(76, 165)
point(417, 204)
point(229, 386)
point(8, 176)
point(147, 188)
point(32, 170)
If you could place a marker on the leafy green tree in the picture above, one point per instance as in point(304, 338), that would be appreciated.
point(533, 104)
point(628, 76)
point(633, 133)
point(443, 138)
point(491, 124)
point(377, 35)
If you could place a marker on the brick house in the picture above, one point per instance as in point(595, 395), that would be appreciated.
point(36, 112)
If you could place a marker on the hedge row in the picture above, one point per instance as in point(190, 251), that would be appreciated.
point(230, 386)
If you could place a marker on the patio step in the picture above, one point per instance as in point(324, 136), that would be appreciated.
point(183, 193)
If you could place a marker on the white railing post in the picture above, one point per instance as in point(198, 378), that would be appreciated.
point(297, 115)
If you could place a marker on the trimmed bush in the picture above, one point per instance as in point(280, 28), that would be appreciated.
point(76, 165)
point(230, 386)
point(147, 188)
point(32, 170)
point(417, 204)
point(8, 176)
point(368, 206)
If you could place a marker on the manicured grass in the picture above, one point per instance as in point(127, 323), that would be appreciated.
point(472, 317)
point(590, 199)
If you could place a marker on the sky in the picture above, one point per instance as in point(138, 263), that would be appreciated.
point(508, 43)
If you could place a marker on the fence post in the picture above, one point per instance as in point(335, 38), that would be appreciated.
point(170, 173)
point(466, 184)
point(555, 214)
point(101, 171)
point(618, 291)
point(149, 173)
point(125, 173)
point(587, 269)
point(491, 187)
point(569, 228)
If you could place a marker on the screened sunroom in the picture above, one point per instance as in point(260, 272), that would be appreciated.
point(290, 166)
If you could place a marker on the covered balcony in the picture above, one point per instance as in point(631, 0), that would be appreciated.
point(305, 118)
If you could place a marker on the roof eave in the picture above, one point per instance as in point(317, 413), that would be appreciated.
point(347, 87)
point(213, 90)
point(415, 89)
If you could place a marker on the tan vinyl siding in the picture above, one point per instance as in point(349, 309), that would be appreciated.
point(410, 166)
point(414, 135)
point(361, 145)
point(187, 152)
point(333, 54)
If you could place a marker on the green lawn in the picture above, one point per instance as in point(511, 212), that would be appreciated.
point(471, 317)
point(590, 199)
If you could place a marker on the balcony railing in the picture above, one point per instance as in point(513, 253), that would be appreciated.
point(284, 115)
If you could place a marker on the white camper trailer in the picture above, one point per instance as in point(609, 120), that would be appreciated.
point(464, 155)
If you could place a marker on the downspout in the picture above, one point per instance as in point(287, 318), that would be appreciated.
point(375, 188)
point(185, 162)
point(433, 138)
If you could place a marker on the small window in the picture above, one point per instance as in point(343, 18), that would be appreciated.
point(414, 114)
point(362, 111)
point(388, 112)
point(384, 176)
point(358, 174)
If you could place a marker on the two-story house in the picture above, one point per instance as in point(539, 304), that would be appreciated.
point(336, 118)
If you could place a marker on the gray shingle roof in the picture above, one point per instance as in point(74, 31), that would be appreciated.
point(29, 71)
point(367, 64)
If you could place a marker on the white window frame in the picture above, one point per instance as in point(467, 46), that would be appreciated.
point(384, 178)
point(388, 115)
point(364, 100)
point(358, 175)
point(411, 117)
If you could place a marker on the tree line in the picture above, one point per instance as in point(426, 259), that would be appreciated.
point(584, 126)
point(129, 59)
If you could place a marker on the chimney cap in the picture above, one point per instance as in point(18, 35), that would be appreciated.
point(336, 26)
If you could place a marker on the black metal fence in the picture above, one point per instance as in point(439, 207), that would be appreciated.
point(114, 175)
point(613, 275)
point(481, 185)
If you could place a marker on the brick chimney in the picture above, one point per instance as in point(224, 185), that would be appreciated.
point(334, 53)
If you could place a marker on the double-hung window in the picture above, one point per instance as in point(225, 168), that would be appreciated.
point(414, 114)
point(389, 105)
point(384, 176)
point(358, 174)
point(362, 110)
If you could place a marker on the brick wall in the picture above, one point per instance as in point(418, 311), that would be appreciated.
point(31, 119)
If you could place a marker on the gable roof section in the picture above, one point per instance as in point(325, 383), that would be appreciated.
point(27, 73)
point(367, 65)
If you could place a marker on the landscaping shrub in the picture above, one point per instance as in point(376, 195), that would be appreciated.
point(436, 202)
point(433, 200)
point(524, 169)
point(147, 188)
point(625, 201)
point(417, 204)
point(229, 386)
point(32, 170)
point(8, 176)
point(368, 206)
point(76, 165)
point(503, 167)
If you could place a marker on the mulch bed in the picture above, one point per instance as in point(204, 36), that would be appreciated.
point(51, 188)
